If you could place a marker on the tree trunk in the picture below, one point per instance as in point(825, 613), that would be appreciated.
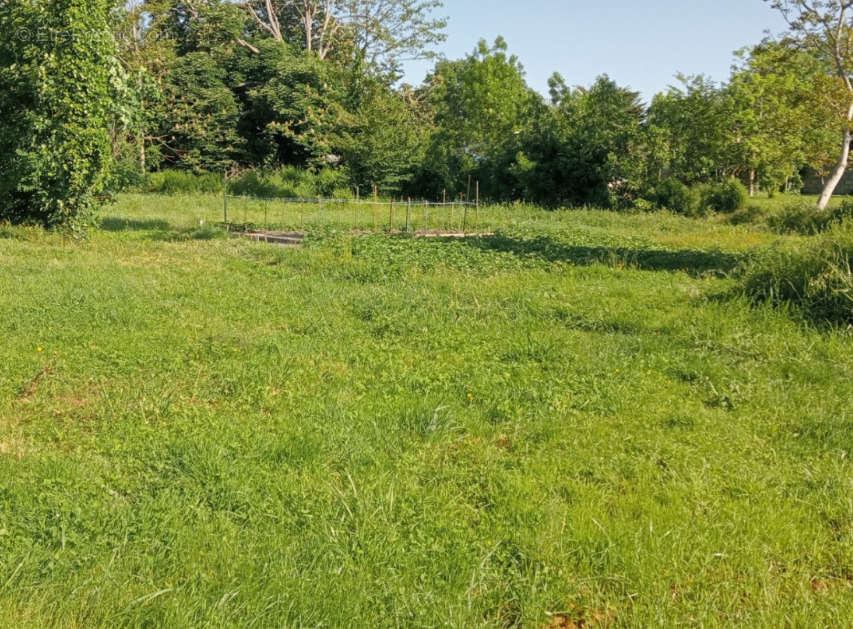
point(140, 139)
point(751, 182)
point(308, 23)
point(837, 172)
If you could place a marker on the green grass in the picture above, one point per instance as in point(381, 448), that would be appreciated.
point(573, 418)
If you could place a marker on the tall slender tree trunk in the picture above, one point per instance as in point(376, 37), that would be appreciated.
point(841, 167)
point(140, 140)
point(309, 31)
point(751, 182)
point(838, 172)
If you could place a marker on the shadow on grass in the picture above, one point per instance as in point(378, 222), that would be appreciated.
point(119, 224)
point(694, 262)
point(161, 230)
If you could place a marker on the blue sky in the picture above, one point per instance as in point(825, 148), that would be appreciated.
point(641, 44)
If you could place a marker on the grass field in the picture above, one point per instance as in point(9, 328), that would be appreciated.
point(574, 423)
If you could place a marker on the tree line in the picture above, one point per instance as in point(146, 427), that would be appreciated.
point(97, 94)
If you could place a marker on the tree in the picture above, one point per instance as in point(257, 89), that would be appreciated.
point(482, 106)
point(58, 75)
point(591, 151)
point(382, 137)
point(386, 32)
point(825, 27)
point(314, 18)
point(199, 116)
point(382, 33)
point(782, 112)
point(690, 129)
point(145, 55)
point(296, 112)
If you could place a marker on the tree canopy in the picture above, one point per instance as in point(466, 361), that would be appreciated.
point(213, 85)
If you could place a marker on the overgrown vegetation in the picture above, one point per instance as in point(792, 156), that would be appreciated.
point(724, 197)
point(58, 82)
point(814, 280)
point(223, 433)
point(280, 87)
point(462, 415)
point(221, 88)
point(802, 218)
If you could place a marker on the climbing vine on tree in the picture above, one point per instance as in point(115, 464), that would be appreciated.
point(58, 85)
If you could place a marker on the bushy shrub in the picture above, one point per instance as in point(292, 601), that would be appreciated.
point(804, 218)
point(343, 193)
point(796, 218)
point(671, 194)
point(184, 182)
point(749, 216)
point(328, 180)
point(840, 214)
point(291, 182)
point(252, 184)
point(816, 281)
point(126, 177)
point(645, 205)
point(724, 197)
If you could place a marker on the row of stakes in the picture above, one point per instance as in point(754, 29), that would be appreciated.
point(451, 206)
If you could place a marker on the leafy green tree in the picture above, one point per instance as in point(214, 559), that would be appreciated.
point(296, 107)
point(605, 139)
point(825, 27)
point(58, 75)
point(587, 149)
point(144, 56)
point(200, 116)
point(249, 75)
point(482, 107)
point(690, 130)
point(383, 137)
point(781, 116)
point(381, 33)
point(180, 110)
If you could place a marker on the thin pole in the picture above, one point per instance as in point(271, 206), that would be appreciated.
point(391, 216)
point(408, 215)
point(465, 219)
point(444, 204)
point(477, 207)
point(375, 206)
point(357, 199)
point(225, 200)
point(468, 195)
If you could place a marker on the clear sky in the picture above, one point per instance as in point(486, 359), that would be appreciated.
point(641, 44)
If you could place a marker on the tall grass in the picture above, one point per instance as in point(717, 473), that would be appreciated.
point(814, 279)
point(804, 218)
point(285, 182)
point(182, 182)
point(291, 182)
point(564, 424)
